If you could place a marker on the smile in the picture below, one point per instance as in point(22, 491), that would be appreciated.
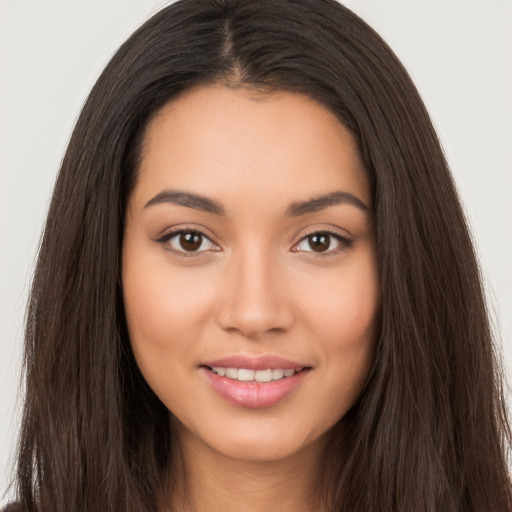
point(246, 375)
point(254, 389)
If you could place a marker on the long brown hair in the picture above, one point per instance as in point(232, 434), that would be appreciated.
point(429, 432)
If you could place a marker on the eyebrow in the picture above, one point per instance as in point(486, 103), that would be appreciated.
point(321, 202)
point(187, 199)
point(198, 202)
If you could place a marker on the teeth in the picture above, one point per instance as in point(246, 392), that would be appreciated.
point(245, 375)
point(263, 376)
point(220, 371)
point(232, 373)
point(277, 374)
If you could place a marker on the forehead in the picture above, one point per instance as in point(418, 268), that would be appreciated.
point(225, 143)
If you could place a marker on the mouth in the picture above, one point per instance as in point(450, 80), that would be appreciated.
point(254, 382)
point(248, 375)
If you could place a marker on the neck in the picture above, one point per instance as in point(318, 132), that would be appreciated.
point(206, 480)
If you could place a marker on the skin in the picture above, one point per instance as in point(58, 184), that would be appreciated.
point(254, 287)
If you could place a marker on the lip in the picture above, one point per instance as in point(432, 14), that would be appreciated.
point(265, 362)
point(252, 394)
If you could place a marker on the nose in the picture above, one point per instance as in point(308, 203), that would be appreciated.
point(255, 303)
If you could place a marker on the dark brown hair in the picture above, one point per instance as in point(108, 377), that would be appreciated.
point(429, 432)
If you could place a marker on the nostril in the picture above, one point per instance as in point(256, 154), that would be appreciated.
point(255, 322)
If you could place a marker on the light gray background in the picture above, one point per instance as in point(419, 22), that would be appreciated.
point(459, 52)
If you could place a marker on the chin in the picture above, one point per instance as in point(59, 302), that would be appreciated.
point(258, 441)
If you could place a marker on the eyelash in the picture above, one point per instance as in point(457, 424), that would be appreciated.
point(344, 242)
point(165, 239)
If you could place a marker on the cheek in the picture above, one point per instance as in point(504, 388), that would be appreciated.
point(342, 307)
point(167, 311)
point(342, 314)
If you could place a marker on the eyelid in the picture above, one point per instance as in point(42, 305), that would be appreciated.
point(178, 230)
point(345, 242)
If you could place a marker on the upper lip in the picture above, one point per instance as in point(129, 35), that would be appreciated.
point(264, 362)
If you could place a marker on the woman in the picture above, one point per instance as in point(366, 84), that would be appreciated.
point(256, 285)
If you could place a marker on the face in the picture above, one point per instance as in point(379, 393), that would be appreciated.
point(249, 270)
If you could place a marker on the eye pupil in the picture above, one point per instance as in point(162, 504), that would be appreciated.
point(190, 241)
point(319, 242)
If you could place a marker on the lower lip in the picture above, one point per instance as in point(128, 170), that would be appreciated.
point(254, 395)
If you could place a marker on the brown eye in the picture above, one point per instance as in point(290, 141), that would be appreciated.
point(323, 242)
point(319, 242)
point(188, 242)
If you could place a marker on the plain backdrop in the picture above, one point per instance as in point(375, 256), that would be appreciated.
point(459, 53)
